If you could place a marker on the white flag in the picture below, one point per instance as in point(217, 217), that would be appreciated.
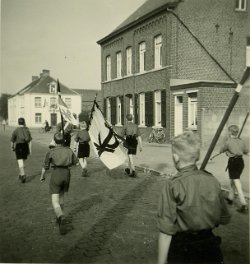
point(104, 140)
point(67, 115)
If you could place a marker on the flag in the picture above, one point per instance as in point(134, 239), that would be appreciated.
point(105, 142)
point(67, 115)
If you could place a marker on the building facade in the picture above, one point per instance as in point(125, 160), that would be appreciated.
point(169, 58)
point(37, 102)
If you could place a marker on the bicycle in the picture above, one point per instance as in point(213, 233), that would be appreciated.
point(157, 135)
point(49, 130)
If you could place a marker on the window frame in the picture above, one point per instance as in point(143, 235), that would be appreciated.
point(241, 5)
point(157, 108)
point(129, 60)
point(108, 68)
point(118, 64)
point(192, 120)
point(38, 102)
point(142, 56)
point(108, 109)
point(158, 51)
point(118, 111)
point(38, 118)
point(142, 109)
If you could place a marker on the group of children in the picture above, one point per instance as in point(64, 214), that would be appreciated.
point(191, 203)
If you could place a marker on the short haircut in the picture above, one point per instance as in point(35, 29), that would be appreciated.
point(129, 117)
point(21, 121)
point(58, 137)
point(234, 130)
point(186, 146)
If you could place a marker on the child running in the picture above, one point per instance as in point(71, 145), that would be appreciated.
point(82, 139)
point(60, 158)
point(21, 144)
point(235, 148)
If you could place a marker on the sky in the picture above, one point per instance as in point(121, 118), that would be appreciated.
point(59, 36)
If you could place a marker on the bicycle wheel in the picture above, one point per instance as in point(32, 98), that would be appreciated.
point(41, 130)
point(150, 138)
point(161, 138)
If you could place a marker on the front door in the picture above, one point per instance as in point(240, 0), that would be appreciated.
point(53, 119)
point(178, 117)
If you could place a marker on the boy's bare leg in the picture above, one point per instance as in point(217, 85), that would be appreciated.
point(237, 184)
point(55, 198)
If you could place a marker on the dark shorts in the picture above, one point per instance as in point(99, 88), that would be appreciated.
point(199, 247)
point(83, 150)
point(235, 167)
point(131, 144)
point(59, 180)
point(22, 151)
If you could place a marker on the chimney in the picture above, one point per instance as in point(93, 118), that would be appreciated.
point(44, 73)
point(34, 78)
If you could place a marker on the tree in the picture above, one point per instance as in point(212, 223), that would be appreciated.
point(4, 105)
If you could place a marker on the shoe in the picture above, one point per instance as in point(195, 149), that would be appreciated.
point(127, 171)
point(85, 173)
point(243, 209)
point(62, 223)
point(133, 174)
point(22, 178)
point(229, 201)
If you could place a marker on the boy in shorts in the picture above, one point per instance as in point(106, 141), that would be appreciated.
point(132, 136)
point(191, 205)
point(60, 158)
point(235, 148)
point(82, 147)
point(21, 144)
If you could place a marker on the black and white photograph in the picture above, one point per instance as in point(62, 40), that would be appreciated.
point(124, 131)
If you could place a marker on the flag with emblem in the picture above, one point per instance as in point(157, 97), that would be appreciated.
point(64, 110)
point(105, 141)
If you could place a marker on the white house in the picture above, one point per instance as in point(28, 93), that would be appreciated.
point(37, 102)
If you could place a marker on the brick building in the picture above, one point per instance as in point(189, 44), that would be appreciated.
point(175, 64)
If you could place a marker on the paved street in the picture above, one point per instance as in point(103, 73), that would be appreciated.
point(111, 218)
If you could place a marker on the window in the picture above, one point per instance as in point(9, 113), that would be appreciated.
point(131, 106)
point(38, 118)
point(241, 5)
point(129, 60)
point(142, 52)
point(68, 102)
point(38, 102)
point(118, 64)
point(157, 100)
point(108, 110)
point(142, 109)
point(158, 51)
point(192, 110)
point(108, 68)
point(53, 87)
point(53, 104)
point(118, 111)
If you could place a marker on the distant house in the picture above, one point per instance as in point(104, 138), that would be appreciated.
point(174, 64)
point(37, 102)
point(87, 98)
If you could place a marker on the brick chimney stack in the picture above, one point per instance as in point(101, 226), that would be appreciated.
point(34, 78)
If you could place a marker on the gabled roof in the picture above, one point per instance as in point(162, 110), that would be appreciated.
point(42, 85)
point(148, 9)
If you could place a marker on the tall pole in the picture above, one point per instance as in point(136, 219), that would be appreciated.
point(59, 95)
point(225, 117)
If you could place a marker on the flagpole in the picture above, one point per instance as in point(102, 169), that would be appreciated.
point(245, 120)
point(59, 95)
point(226, 116)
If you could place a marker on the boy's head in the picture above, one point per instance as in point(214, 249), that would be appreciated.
point(233, 130)
point(58, 137)
point(83, 125)
point(129, 117)
point(185, 149)
point(21, 121)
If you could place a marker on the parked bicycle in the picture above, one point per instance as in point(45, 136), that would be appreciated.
point(47, 130)
point(157, 135)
